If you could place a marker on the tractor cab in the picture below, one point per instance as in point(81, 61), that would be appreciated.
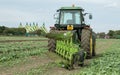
point(70, 16)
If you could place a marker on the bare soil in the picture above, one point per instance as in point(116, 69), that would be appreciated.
point(21, 40)
point(33, 62)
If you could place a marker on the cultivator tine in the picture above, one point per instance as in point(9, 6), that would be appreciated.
point(66, 49)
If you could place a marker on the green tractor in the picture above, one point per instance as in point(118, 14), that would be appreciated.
point(70, 37)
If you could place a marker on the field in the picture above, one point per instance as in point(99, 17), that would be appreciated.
point(30, 56)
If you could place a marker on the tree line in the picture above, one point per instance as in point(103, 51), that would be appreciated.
point(17, 31)
point(113, 34)
point(22, 32)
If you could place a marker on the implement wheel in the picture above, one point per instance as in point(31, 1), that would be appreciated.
point(87, 42)
point(51, 45)
point(78, 58)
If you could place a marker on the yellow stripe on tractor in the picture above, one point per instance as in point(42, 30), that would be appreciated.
point(91, 42)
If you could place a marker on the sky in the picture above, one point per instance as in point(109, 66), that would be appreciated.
point(106, 13)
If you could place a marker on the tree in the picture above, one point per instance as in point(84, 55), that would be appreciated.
point(14, 31)
point(101, 35)
point(2, 28)
point(111, 33)
point(117, 32)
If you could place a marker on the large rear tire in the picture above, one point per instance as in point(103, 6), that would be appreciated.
point(87, 41)
point(51, 45)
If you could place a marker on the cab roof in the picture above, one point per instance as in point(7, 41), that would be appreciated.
point(71, 8)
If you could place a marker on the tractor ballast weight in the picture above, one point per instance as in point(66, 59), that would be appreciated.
point(70, 37)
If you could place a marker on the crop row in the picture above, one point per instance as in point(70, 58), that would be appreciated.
point(22, 54)
point(16, 50)
point(20, 46)
point(21, 38)
point(107, 64)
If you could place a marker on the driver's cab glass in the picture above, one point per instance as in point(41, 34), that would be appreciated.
point(70, 17)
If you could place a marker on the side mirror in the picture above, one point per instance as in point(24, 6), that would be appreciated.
point(56, 16)
point(90, 16)
point(58, 10)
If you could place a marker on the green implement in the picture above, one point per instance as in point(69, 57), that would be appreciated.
point(67, 47)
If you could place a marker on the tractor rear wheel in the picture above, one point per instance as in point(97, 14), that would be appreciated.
point(86, 41)
point(51, 45)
